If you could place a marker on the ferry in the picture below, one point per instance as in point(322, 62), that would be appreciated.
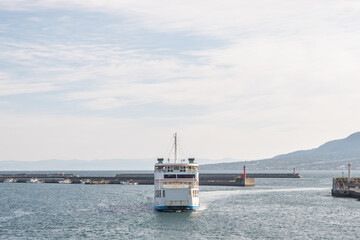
point(176, 184)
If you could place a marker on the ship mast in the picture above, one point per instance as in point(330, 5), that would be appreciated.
point(175, 144)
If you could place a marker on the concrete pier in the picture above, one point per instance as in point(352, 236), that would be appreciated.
point(345, 187)
point(274, 175)
point(204, 179)
point(141, 179)
point(209, 179)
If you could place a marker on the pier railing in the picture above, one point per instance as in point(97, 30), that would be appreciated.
point(344, 188)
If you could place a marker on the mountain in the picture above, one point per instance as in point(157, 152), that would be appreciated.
point(331, 155)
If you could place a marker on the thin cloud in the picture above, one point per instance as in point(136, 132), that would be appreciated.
point(284, 74)
point(229, 19)
point(8, 88)
point(34, 19)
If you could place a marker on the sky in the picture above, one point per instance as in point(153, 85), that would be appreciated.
point(243, 80)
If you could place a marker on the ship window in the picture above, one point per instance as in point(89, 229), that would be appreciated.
point(158, 193)
point(186, 176)
point(176, 167)
point(169, 176)
point(163, 193)
point(159, 169)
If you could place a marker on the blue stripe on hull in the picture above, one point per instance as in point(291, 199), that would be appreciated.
point(162, 208)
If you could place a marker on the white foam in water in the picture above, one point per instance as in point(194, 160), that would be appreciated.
point(203, 206)
point(21, 213)
point(211, 196)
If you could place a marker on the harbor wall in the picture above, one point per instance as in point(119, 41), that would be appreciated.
point(341, 187)
point(218, 176)
point(210, 179)
point(273, 175)
point(141, 179)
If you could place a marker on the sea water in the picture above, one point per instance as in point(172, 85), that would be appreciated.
point(273, 209)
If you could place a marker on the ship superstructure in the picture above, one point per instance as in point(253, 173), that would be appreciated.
point(176, 183)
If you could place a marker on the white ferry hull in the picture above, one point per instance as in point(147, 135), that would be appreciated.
point(175, 190)
point(176, 198)
point(174, 208)
point(176, 184)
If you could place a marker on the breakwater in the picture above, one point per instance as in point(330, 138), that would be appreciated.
point(204, 179)
point(216, 176)
point(210, 179)
point(126, 179)
point(274, 175)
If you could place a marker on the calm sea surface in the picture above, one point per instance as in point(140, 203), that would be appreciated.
point(273, 209)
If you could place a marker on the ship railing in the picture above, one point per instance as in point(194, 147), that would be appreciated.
point(189, 184)
point(342, 183)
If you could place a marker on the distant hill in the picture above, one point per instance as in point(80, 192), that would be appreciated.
point(331, 155)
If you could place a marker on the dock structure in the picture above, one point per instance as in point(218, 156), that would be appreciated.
point(346, 186)
point(205, 179)
point(274, 175)
point(41, 177)
point(134, 178)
